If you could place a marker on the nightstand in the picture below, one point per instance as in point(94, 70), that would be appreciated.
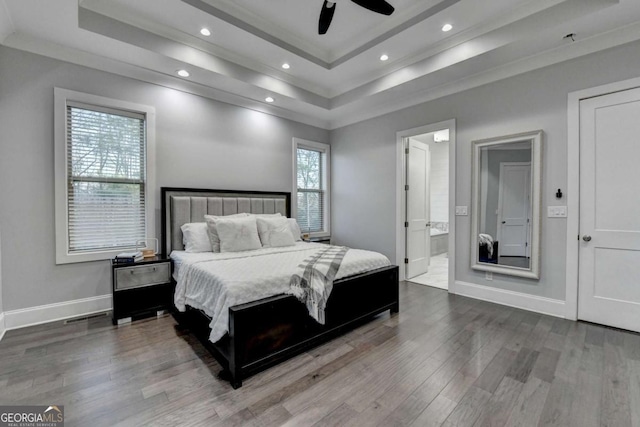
point(141, 288)
point(324, 240)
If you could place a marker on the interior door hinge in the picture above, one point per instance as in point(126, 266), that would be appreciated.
point(406, 187)
point(406, 260)
point(406, 151)
point(406, 224)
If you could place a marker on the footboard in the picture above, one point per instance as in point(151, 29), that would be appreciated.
point(266, 332)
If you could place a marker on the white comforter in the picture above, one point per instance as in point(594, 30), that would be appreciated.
point(213, 282)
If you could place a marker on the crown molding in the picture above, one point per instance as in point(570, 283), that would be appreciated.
point(335, 118)
point(75, 56)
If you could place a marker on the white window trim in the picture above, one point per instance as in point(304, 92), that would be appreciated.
point(326, 148)
point(61, 98)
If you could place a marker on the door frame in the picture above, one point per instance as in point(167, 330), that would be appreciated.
point(573, 185)
point(401, 194)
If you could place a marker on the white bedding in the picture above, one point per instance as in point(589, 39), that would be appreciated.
point(213, 282)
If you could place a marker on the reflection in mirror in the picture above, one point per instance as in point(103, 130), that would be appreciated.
point(504, 236)
point(506, 207)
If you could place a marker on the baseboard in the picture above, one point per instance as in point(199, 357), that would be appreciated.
point(2, 328)
point(31, 316)
point(552, 307)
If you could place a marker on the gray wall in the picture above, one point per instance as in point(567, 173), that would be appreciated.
point(200, 143)
point(364, 158)
point(1, 306)
point(496, 157)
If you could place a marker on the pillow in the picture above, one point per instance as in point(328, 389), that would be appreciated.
point(238, 234)
point(275, 232)
point(211, 228)
point(295, 229)
point(195, 237)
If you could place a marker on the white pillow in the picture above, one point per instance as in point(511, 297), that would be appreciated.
point(211, 228)
point(295, 229)
point(275, 232)
point(238, 234)
point(195, 237)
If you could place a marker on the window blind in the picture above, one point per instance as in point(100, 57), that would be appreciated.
point(105, 178)
point(311, 191)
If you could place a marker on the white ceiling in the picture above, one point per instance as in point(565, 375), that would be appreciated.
point(335, 79)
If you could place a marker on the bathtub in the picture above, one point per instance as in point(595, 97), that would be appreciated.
point(439, 238)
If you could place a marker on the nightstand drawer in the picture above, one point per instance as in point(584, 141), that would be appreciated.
point(143, 275)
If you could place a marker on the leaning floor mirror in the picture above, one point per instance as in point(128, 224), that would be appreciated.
point(506, 179)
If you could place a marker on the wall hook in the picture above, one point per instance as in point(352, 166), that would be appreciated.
point(559, 194)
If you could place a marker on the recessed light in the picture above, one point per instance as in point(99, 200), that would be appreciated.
point(269, 99)
point(183, 73)
point(447, 27)
point(286, 66)
point(384, 57)
point(205, 32)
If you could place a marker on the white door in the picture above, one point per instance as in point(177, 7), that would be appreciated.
point(609, 240)
point(418, 234)
point(513, 208)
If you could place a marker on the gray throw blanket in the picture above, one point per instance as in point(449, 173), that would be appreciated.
point(313, 282)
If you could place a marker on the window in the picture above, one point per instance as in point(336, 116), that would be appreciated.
point(311, 192)
point(103, 187)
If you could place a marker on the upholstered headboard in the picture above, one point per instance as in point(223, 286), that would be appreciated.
point(184, 205)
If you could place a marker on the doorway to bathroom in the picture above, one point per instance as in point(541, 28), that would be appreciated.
point(427, 204)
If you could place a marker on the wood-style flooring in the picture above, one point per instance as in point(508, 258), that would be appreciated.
point(443, 360)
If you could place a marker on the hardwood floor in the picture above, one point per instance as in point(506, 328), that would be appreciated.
point(443, 360)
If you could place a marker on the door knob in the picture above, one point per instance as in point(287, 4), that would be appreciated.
point(428, 224)
point(504, 222)
point(586, 238)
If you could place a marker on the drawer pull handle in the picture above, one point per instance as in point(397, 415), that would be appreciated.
point(134, 271)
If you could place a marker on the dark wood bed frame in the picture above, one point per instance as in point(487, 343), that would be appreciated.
point(266, 332)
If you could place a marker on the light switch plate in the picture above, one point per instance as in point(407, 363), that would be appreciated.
point(461, 211)
point(557, 211)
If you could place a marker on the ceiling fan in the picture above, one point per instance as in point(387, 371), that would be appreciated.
point(329, 8)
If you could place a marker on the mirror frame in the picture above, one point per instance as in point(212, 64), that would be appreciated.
point(535, 137)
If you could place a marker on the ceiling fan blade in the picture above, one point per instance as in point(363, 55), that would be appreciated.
point(379, 6)
point(326, 15)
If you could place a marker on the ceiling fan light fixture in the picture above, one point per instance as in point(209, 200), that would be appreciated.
point(384, 57)
point(269, 99)
point(205, 32)
point(447, 27)
point(183, 73)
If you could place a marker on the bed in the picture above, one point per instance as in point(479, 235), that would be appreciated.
point(253, 335)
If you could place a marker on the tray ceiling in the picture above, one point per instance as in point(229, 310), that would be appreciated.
point(334, 79)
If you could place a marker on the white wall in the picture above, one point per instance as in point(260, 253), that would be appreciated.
point(364, 156)
point(439, 184)
point(199, 143)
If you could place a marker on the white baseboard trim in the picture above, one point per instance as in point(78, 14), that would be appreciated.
point(2, 328)
point(31, 316)
point(549, 306)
